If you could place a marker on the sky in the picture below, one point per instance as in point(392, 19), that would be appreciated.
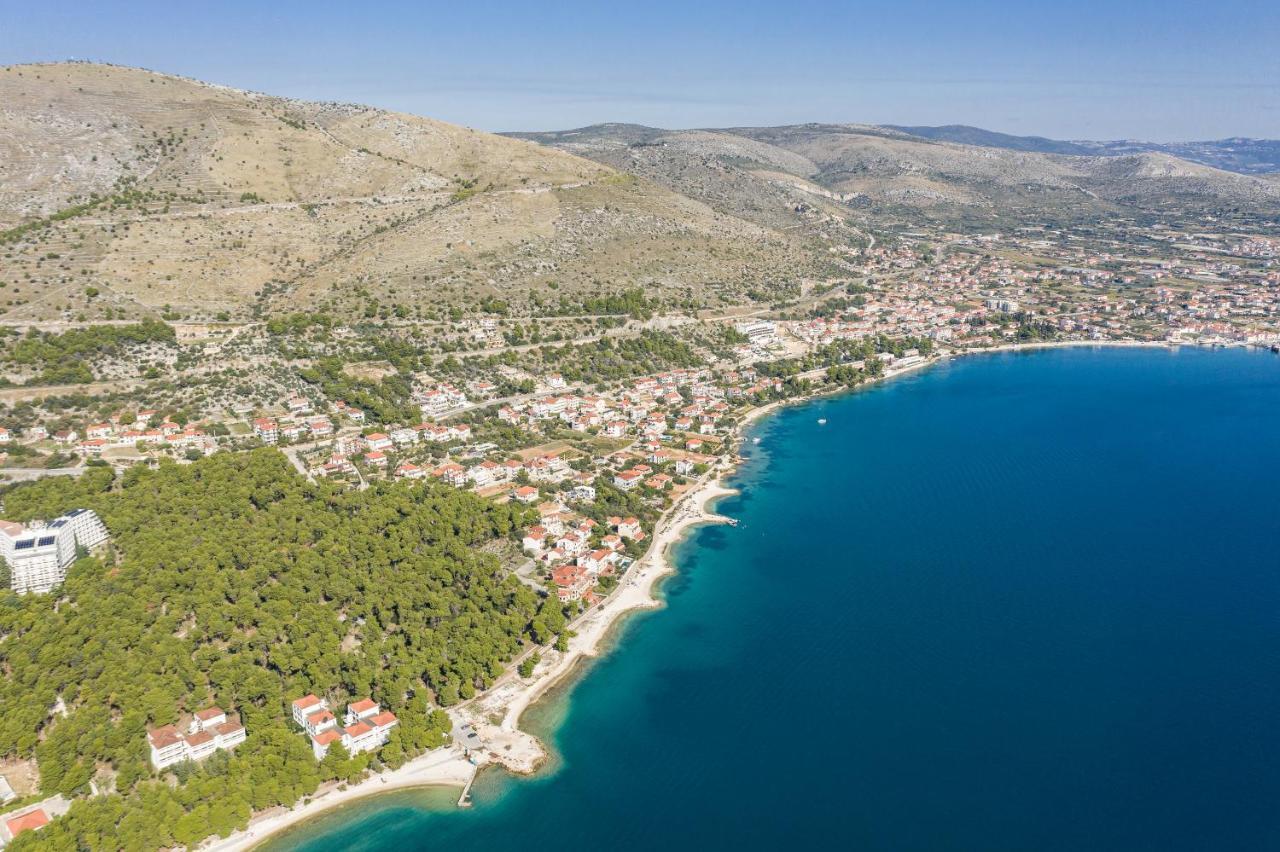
point(1167, 71)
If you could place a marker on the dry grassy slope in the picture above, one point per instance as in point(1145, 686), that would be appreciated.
point(883, 164)
point(880, 170)
point(737, 176)
point(241, 199)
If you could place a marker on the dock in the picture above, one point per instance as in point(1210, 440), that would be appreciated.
point(464, 801)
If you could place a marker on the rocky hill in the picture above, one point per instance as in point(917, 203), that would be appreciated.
point(884, 172)
point(1237, 154)
point(125, 192)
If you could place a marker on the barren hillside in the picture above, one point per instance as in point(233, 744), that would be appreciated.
point(883, 171)
point(125, 192)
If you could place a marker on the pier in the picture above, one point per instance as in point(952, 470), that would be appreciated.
point(464, 801)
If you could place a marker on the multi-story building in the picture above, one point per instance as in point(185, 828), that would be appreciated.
point(366, 725)
point(267, 429)
point(209, 731)
point(38, 555)
point(313, 715)
point(758, 331)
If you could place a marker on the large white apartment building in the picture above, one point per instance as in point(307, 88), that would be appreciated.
point(209, 731)
point(366, 725)
point(38, 554)
point(758, 331)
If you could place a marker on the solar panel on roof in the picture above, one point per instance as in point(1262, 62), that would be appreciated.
point(61, 522)
point(47, 540)
point(25, 544)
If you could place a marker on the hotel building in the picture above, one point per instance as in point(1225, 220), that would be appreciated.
point(38, 554)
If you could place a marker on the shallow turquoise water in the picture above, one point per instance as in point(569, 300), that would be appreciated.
point(1015, 602)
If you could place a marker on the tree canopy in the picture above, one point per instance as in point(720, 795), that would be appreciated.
point(235, 581)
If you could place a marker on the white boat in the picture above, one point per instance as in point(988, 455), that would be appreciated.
point(755, 440)
point(822, 421)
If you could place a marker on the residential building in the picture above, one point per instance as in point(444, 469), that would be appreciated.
point(758, 331)
point(38, 555)
point(210, 730)
point(32, 820)
point(628, 479)
point(366, 726)
point(266, 429)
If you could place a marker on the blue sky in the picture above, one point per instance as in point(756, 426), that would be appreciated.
point(1076, 69)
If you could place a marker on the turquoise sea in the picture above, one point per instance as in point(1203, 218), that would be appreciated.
point(1014, 602)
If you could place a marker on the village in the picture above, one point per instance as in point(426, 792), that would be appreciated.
point(594, 466)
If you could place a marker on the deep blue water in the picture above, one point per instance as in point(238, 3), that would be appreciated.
point(1015, 602)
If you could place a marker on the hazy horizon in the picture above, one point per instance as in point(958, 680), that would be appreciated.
point(1171, 72)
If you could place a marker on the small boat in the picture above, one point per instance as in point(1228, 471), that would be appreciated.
point(822, 421)
point(755, 440)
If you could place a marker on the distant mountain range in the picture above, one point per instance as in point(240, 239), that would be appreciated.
point(1237, 154)
point(951, 176)
point(125, 193)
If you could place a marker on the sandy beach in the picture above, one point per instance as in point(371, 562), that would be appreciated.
point(442, 767)
point(495, 715)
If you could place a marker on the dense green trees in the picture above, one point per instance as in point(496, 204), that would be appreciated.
point(298, 323)
point(238, 582)
point(612, 359)
point(387, 401)
point(632, 303)
point(60, 358)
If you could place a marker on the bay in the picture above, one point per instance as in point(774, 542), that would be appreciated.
point(1013, 602)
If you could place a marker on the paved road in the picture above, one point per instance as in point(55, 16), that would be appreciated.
point(25, 474)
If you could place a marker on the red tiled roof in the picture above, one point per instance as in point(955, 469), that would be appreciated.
point(29, 821)
point(163, 737)
point(359, 729)
point(326, 737)
point(306, 701)
point(211, 713)
point(386, 717)
point(363, 705)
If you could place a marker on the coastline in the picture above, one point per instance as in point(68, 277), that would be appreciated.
point(507, 700)
point(440, 768)
point(508, 746)
point(495, 714)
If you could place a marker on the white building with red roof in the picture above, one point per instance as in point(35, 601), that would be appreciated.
point(305, 706)
point(266, 429)
point(409, 470)
point(210, 730)
point(628, 479)
point(367, 728)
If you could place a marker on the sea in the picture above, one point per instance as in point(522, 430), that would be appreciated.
point(1020, 601)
